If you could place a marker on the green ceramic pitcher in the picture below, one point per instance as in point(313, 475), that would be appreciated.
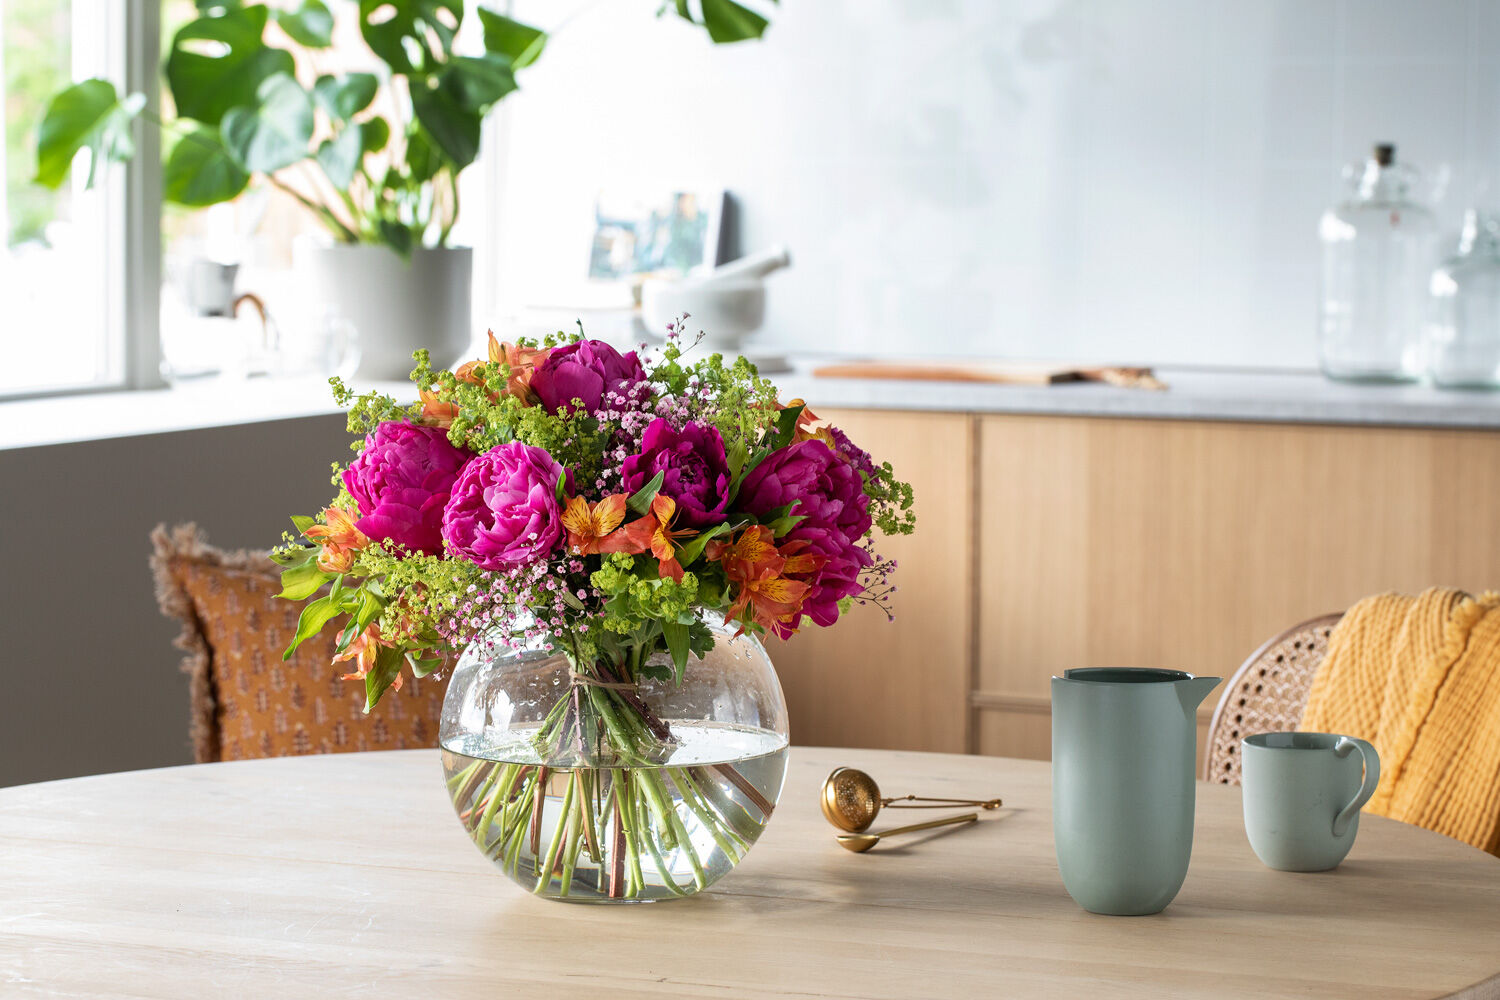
point(1123, 748)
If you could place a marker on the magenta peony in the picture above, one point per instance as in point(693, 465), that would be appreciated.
point(851, 452)
point(401, 482)
point(504, 510)
point(585, 371)
point(830, 496)
point(695, 472)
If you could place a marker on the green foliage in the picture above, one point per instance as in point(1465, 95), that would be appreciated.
point(309, 24)
point(725, 20)
point(87, 115)
point(890, 502)
point(218, 62)
point(200, 171)
point(274, 132)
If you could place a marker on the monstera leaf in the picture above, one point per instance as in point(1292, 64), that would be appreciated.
point(343, 97)
point(454, 128)
point(273, 133)
point(476, 82)
point(339, 157)
point(412, 36)
point(309, 24)
point(201, 171)
point(219, 62)
point(88, 115)
point(725, 20)
point(520, 43)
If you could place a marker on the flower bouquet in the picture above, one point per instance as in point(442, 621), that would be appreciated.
point(592, 542)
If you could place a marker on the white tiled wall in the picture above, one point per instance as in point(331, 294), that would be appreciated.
point(1125, 180)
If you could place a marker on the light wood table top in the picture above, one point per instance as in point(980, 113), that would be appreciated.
point(347, 876)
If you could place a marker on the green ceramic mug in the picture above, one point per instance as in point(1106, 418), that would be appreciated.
point(1302, 796)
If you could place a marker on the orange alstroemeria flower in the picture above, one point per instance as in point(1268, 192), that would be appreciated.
point(339, 539)
point(595, 529)
point(363, 651)
point(758, 569)
point(436, 411)
point(663, 537)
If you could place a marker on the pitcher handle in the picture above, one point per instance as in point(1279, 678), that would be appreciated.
point(1343, 748)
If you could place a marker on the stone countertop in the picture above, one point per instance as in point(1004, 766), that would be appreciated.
point(1192, 394)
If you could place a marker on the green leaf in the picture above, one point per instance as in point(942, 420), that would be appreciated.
point(86, 115)
point(297, 555)
point(676, 635)
point(315, 614)
point(423, 159)
point(476, 82)
point(200, 171)
point(396, 236)
point(421, 667)
point(302, 522)
point(738, 453)
point(693, 548)
point(301, 582)
point(453, 128)
point(402, 32)
point(387, 667)
point(640, 500)
point(339, 157)
point(727, 21)
point(786, 427)
point(520, 43)
point(343, 97)
point(781, 525)
point(374, 134)
point(309, 24)
point(217, 63)
point(274, 134)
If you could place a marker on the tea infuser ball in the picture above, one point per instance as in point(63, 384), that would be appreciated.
point(851, 800)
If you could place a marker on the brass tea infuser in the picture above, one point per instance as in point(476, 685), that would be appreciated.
point(851, 801)
point(859, 843)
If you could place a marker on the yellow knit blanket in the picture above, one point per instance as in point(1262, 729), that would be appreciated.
point(1419, 677)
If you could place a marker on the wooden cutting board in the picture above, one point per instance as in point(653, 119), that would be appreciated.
point(996, 373)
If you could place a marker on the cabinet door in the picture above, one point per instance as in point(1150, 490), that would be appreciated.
point(1180, 544)
point(867, 682)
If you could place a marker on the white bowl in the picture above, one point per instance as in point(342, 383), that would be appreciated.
point(727, 312)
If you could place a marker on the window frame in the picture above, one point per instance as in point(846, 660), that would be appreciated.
point(131, 195)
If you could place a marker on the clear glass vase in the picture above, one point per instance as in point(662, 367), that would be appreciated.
point(585, 785)
point(1464, 338)
point(1378, 251)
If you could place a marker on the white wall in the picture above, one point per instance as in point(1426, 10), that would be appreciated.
point(1131, 180)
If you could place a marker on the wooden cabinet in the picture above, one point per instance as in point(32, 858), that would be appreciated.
point(1048, 542)
point(902, 685)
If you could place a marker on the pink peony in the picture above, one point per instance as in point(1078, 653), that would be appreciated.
point(401, 481)
point(695, 473)
point(504, 510)
point(586, 371)
point(830, 496)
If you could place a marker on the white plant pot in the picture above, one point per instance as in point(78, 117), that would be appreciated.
point(396, 306)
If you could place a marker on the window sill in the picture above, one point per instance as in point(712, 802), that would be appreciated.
point(98, 416)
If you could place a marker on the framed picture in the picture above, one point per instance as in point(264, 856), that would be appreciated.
point(667, 233)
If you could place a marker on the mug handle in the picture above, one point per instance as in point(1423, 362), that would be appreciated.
point(1342, 749)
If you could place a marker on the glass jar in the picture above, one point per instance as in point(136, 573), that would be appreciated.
point(598, 782)
point(1378, 248)
point(1463, 340)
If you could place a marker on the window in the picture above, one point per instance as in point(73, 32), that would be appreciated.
point(63, 263)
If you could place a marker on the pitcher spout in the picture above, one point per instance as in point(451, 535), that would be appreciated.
point(1193, 690)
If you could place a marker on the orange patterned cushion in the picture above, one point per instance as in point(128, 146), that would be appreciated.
point(247, 702)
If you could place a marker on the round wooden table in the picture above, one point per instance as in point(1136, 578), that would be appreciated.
point(348, 876)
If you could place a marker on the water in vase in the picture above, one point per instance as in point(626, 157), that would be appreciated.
point(567, 828)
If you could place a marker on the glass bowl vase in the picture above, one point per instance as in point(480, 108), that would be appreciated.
point(599, 783)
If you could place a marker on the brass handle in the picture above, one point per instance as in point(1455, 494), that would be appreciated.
point(861, 842)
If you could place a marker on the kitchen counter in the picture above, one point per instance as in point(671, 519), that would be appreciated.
point(1192, 394)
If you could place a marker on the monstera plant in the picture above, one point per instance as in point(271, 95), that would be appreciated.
point(375, 156)
point(391, 143)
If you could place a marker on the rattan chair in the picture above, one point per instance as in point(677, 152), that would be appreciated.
point(1266, 694)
